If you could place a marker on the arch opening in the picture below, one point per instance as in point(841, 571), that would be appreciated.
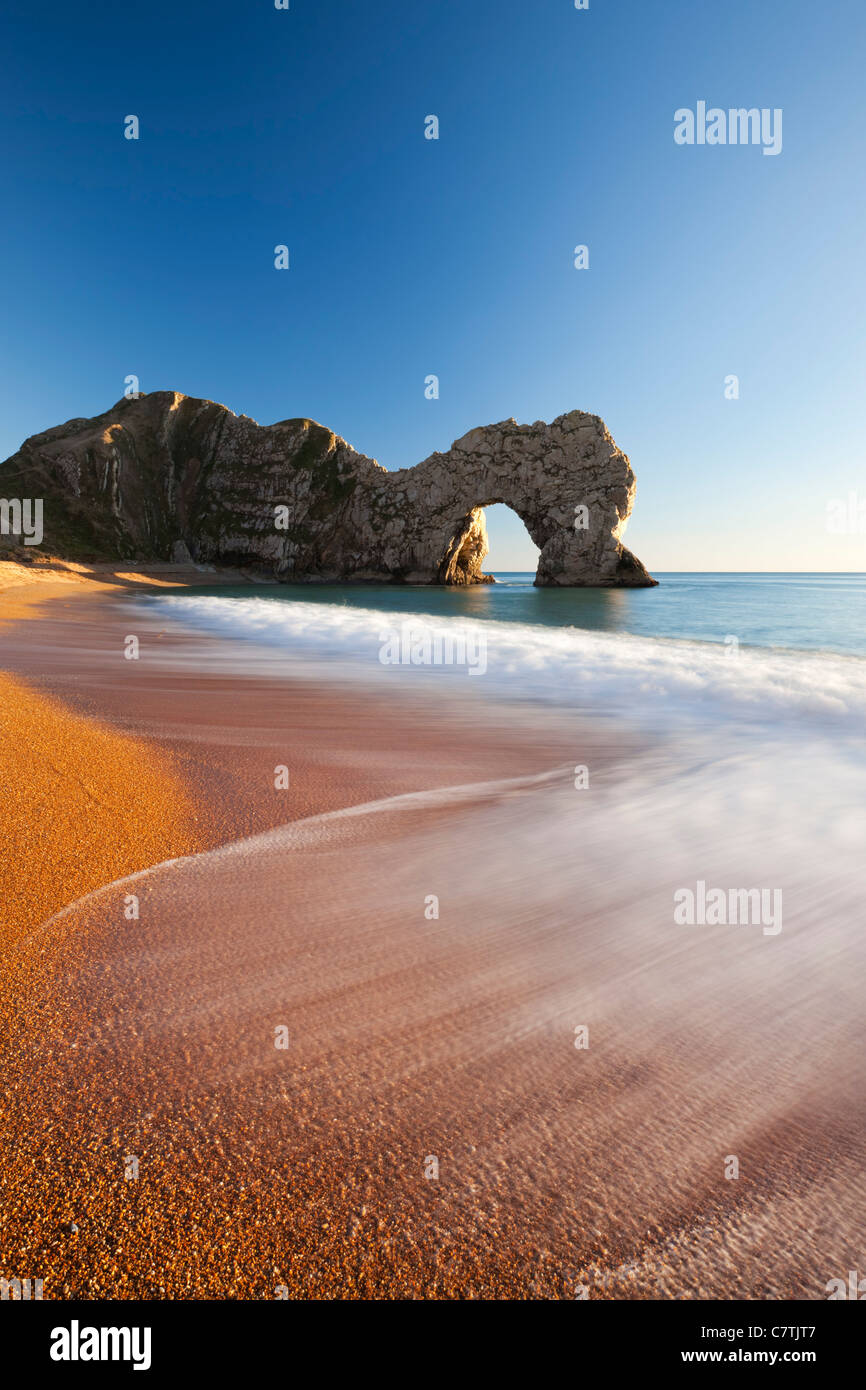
point(467, 555)
point(511, 549)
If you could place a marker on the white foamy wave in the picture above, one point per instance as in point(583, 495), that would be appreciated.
point(646, 678)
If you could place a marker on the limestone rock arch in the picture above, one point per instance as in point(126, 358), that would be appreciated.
point(555, 477)
point(166, 475)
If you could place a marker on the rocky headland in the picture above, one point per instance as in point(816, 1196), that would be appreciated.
point(164, 476)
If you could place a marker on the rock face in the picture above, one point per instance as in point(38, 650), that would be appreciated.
point(165, 476)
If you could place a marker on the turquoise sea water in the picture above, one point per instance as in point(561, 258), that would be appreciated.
point(735, 763)
point(675, 762)
point(759, 648)
point(812, 612)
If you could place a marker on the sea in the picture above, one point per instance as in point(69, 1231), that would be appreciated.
point(812, 612)
point(654, 943)
point(681, 889)
point(752, 649)
point(745, 692)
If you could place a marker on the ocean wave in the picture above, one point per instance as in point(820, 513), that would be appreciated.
point(647, 678)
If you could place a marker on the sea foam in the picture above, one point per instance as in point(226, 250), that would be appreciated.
point(653, 680)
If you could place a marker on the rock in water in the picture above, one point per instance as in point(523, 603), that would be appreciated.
point(165, 475)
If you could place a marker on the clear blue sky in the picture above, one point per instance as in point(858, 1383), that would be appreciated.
point(455, 257)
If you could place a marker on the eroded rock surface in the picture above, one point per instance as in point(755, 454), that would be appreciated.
point(167, 475)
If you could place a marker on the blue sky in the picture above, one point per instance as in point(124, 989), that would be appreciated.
point(455, 257)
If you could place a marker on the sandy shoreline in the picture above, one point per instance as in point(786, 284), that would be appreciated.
point(196, 753)
point(414, 1042)
point(215, 731)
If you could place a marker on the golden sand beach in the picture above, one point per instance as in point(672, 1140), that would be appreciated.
point(283, 1078)
point(83, 805)
point(113, 769)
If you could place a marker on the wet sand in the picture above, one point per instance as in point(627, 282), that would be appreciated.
point(429, 1129)
point(138, 762)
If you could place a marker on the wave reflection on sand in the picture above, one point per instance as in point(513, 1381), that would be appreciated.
point(428, 956)
point(452, 1036)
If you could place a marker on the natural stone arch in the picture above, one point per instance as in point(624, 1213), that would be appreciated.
point(465, 551)
point(543, 473)
point(165, 475)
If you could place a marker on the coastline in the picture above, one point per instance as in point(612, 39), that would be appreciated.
point(302, 1171)
point(209, 738)
point(197, 753)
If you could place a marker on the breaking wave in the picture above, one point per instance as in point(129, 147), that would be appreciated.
point(649, 679)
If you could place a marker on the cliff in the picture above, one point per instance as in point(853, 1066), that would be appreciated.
point(164, 476)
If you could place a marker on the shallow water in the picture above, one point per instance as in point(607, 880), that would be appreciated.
point(454, 1035)
point(741, 767)
point(658, 682)
point(824, 612)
